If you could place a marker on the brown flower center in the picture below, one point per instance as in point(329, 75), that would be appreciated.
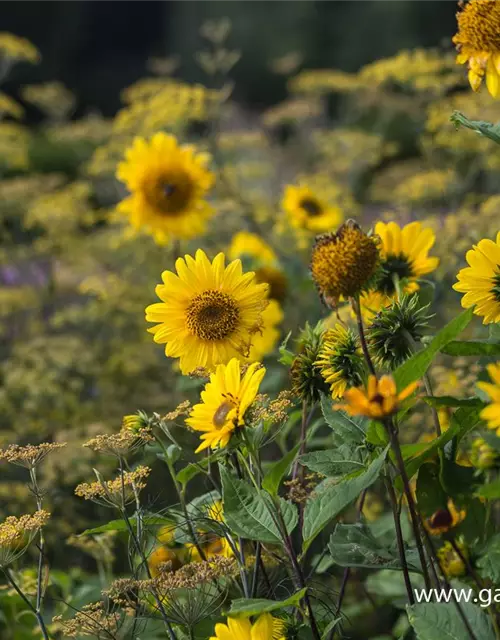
point(479, 26)
point(170, 194)
point(441, 518)
point(311, 206)
point(212, 315)
point(223, 411)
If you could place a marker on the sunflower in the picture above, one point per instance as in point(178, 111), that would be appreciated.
point(264, 342)
point(380, 399)
point(225, 399)
point(405, 255)
point(213, 543)
point(491, 413)
point(480, 281)
point(306, 210)
point(343, 263)
point(209, 313)
point(445, 519)
point(265, 628)
point(167, 183)
point(478, 43)
point(340, 361)
point(250, 245)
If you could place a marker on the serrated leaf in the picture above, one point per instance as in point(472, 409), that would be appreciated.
point(248, 513)
point(275, 474)
point(441, 621)
point(348, 430)
point(330, 499)
point(483, 128)
point(354, 545)
point(333, 462)
point(489, 562)
point(247, 607)
point(472, 348)
point(414, 368)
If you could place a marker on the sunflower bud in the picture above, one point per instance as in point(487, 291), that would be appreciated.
point(340, 360)
point(344, 263)
point(307, 381)
point(395, 329)
point(482, 455)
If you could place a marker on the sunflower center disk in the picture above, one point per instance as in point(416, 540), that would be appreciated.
point(441, 518)
point(311, 207)
point(170, 194)
point(496, 285)
point(212, 315)
point(478, 26)
point(220, 415)
point(394, 267)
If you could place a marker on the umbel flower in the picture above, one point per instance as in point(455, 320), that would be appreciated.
point(478, 43)
point(16, 535)
point(480, 281)
point(445, 519)
point(167, 185)
point(405, 255)
point(209, 312)
point(340, 361)
point(379, 400)
point(344, 263)
point(395, 329)
point(225, 400)
point(307, 382)
point(265, 628)
point(491, 413)
point(306, 210)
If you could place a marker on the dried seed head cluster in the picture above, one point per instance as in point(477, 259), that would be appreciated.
point(17, 533)
point(93, 620)
point(30, 455)
point(121, 443)
point(272, 411)
point(116, 493)
point(183, 409)
point(299, 491)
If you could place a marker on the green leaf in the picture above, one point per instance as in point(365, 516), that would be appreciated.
point(286, 356)
point(441, 621)
point(353, 545)
point(430, 494)
point(450, 401)
point(248, 513)
point(414, 368)
point(346, 428)
point(333, 462)
point(376, 434)
point(489, 562)
point(490, 491)
point(486, 129)
point(472, 348)
point(121, 525)
point(274, 476)
point(246, 607)
point(330, 499)
point(495, 331)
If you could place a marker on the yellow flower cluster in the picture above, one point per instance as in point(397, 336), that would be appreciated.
point(15, 48)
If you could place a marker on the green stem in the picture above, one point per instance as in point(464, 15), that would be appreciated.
point(37, 613)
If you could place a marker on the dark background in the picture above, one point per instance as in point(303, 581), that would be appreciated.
point(98, 47)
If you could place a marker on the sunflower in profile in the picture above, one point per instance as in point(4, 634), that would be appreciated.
point(340, 360)
point(224, 402)
point(344, 263)
point(306, 210)
point(478, 43)
point(480, 281)
point(265, 628)
point(167, 185)
point(491, 413)
point(209, 312)
point(264, 341)
point(405, 255)
point(379, 400)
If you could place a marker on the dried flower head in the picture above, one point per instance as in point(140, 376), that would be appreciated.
point(120, 444)
point(183, 409)
point(114, 493)
point(344, 263)
point(16, 535)
point(30, 455)
point(93, 620)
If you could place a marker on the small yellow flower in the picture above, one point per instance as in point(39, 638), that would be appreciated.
point(480, 281)
point(265, 340)
point(343, 263)
point(445, 519)
point(482, 455)
point(478, 43)
point(162, 558)
point(405, 255)
point(306, 210)
point(250, 245)
point(491, 413)
point(450, 561)
point(9, 107)
point(225, 400)
point(380, 399)
point(340, 360)
point(265, 628)
point(209, 312)
point(167, 183)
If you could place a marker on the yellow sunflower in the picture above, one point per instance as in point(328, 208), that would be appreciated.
point(225, 400)
point(444, 519)
point(265, 628)
point(246, 244)
point(372, 302)
point(480, 281)
point(213, 544)
point(491, 413)
point(167, 185)
point(306, 210)
point(339, 360)
point(450, 561)
point(380, 399)
point(478, 43)
point(264, 342)
point(405, 255)
point(209, 312)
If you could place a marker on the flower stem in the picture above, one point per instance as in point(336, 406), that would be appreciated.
point(362, 338)
point(36, 611)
